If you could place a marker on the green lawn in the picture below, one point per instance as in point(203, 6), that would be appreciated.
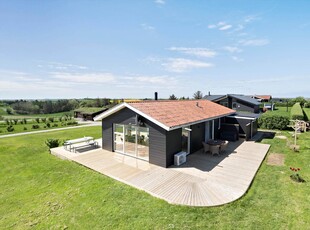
point(281, 111)
point(33, 116)
point(19, 128)
point(39, 190)
point(307, 112)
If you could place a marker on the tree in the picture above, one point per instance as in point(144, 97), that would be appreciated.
point(173, 97)
point(198, 95)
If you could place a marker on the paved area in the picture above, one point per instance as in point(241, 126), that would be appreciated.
point(204, 180)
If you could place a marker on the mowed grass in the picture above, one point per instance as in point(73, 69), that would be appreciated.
point(38, 190)
point(281, 111)
point(307, 113)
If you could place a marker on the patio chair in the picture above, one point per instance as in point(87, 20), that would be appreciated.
point(206, 147)
point(223, 146)
point(215, 149)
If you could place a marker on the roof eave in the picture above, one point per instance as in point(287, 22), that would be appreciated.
point(200, 121)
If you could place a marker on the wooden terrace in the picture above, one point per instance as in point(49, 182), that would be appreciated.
point(204, 180)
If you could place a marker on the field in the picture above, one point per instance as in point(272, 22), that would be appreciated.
point(28, 127)
point(281, 111)
point(38, 190)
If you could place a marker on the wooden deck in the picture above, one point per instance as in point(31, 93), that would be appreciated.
point(204, 180)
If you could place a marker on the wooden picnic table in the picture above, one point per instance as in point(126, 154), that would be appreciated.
point(69, 143)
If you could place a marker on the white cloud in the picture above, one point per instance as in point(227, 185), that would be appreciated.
point(162, 80)
point(89, 78)
point(147, 27)
point(200, 52)
point(180, 65)
point(225, 27)
point(61, 66)
point(161, 2)
point(254, 42)
point(220, 26)
point(232, 49)
point(250, 18)
point(237, 59)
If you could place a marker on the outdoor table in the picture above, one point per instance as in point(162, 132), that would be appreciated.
point(215, 142)
point(75, 141)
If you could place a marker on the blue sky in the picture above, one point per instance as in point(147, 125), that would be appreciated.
point(130, 49)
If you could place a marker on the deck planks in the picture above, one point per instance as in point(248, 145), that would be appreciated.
point(204, 180)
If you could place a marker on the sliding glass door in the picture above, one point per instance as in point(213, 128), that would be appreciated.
point(132, 140)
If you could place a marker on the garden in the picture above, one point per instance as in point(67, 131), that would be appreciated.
point(38, 190)
point(17, 125)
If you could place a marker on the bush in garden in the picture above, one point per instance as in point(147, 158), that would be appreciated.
point(10, 128)
point(1, 118)
point(52, 143)
point(35, 126)
point(7, 121)
point(296, 112)
point(273, 121)
point(55, 125)
point(25, 121)
point(51, 119)
point(72, 123)
point(25, 128)
point(37, 120)
point(48, 125)
point(43, 119)
point(15, 121)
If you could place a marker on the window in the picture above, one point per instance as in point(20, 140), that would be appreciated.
point(132, 140)
point(234, 105)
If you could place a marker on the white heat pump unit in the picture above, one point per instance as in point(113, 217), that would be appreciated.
point(179, 158)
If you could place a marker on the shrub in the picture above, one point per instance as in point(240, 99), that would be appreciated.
point(9, 111)
point(52, 143)
point(55, 125)
point(72, 123)
point(25, 128)
point(37, 120)
point(25, 121)
point(1, 118)
point(15, 121)
point(10, 128)
point(7, 121)
point(48, 125)
point(43, 119)
point(296, 112)
point(51, 119)
point(273, 121)
point(35, 126)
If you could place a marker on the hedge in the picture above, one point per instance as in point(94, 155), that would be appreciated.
point(296, 112)
point(273, 121)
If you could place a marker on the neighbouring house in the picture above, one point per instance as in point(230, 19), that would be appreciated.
point(247, 113)
point(262, 98)
point(88, 113)
point(156, 130)
point(237, 102)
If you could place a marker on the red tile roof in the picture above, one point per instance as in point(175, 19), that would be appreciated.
point(177, 113)
point(265, 97)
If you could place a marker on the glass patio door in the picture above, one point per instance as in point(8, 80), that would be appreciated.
point(132, 140)
point(185, 141)
point(118, 138)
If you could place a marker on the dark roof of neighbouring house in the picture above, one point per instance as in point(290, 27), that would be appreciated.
point(244, 98)
point(172, 114)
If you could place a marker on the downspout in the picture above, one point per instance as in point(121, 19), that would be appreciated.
point(219, 124)
point(212, 129)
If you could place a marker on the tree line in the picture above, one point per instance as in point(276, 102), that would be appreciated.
point(52, 106)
